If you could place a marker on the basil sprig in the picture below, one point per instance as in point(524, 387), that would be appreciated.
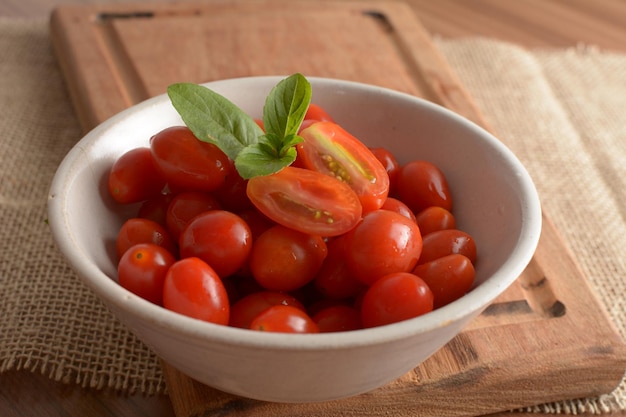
point(215, 119)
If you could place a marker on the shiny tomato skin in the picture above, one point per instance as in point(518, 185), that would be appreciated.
point(338, 318)
point(421, 184)
point(393, 204)
point(135, 177)
point(384, 242)
point(142, 270)
point(307, 201)
point(137, 230)
point(194, 289)
point(331, 150)
point(334, 279)
point(218, 237)
point(284, 319)
point(318, 113)
point(247, 308)
point(283, 259)
point(449, 277)
point(446, 242)
point(394, 298)
point(434, 218)
point(391, 164)
point(184, 207)
point(188, 163)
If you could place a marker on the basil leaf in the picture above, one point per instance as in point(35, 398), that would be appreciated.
point(255, 160)
point(213, 118)
point(286, 106)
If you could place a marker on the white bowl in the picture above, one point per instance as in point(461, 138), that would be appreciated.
point(494, 200)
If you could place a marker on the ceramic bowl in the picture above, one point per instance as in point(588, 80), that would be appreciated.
point(494, 200)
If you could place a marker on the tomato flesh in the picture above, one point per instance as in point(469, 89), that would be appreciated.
point(306, 200)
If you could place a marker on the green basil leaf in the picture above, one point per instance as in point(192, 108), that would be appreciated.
point(286, 106)
point(213, 118)
point(254, 160)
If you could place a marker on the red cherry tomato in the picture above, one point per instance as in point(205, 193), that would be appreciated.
point(188, 163)
point(142, 270)
point(155, 208)
point(246, 309)
point(338, 318)
point(449, 277)
point(232, 194)
point(317, 112)
point(395, 297)
point(435, 218)
point(446, 242)
point(220, 238)
point(391, 164)
point(307, 201)
point(192, 288)
point(383, 243)
point(284, 319)
point(137, 230)
point(334, 279)
point(331, 150)
point(184, 207)
point(421, 184)
point(393, 204)
point(284, 259)
point(135, 177)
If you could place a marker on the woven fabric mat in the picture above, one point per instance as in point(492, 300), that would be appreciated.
point(561, 111)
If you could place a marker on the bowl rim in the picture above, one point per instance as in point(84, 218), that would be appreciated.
point(115, 295)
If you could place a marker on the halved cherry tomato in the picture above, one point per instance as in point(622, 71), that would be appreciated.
point(284, 319)
point(142, 270)
point(134, 177)
point(421, 184)
point(449, 277)
point(446, 242)
point(192, 288)
point(246, 309)
point(220, 238)
point(284, 259)
point(331, 150)
point(435, 218)
point(395, 297)
point(137, 230)
point(382, 243)
point(188, 163)
point(307, 201)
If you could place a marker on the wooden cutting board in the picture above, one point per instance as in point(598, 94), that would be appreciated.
point(546, 339)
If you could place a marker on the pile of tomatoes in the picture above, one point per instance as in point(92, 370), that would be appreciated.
point(343, 239)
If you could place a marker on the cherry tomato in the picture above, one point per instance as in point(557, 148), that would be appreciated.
point(317, 112)
point(184, 207)
point(142, 270)
point(192, 288)
point(334, 279)
point(449, 277)
point(393, 204)
point(395, 297)
point(331, 150)
point(257, 222)
point(338, 318)
point(307, 201)
point(246, 309)
point(421, 184)
point(220, 238)
point(155, 208)
point(446, 242)
point(391, 164)
point(383, 243)
point(137, 230)
point(435, 218)
point(284, 319)
point(188, 163)
point(232, 194)
point(135, 177)
point(284, 259)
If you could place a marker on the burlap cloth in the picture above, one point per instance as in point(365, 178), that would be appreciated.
point(563, 112)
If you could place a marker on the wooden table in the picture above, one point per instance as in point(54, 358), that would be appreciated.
point(531, 23)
